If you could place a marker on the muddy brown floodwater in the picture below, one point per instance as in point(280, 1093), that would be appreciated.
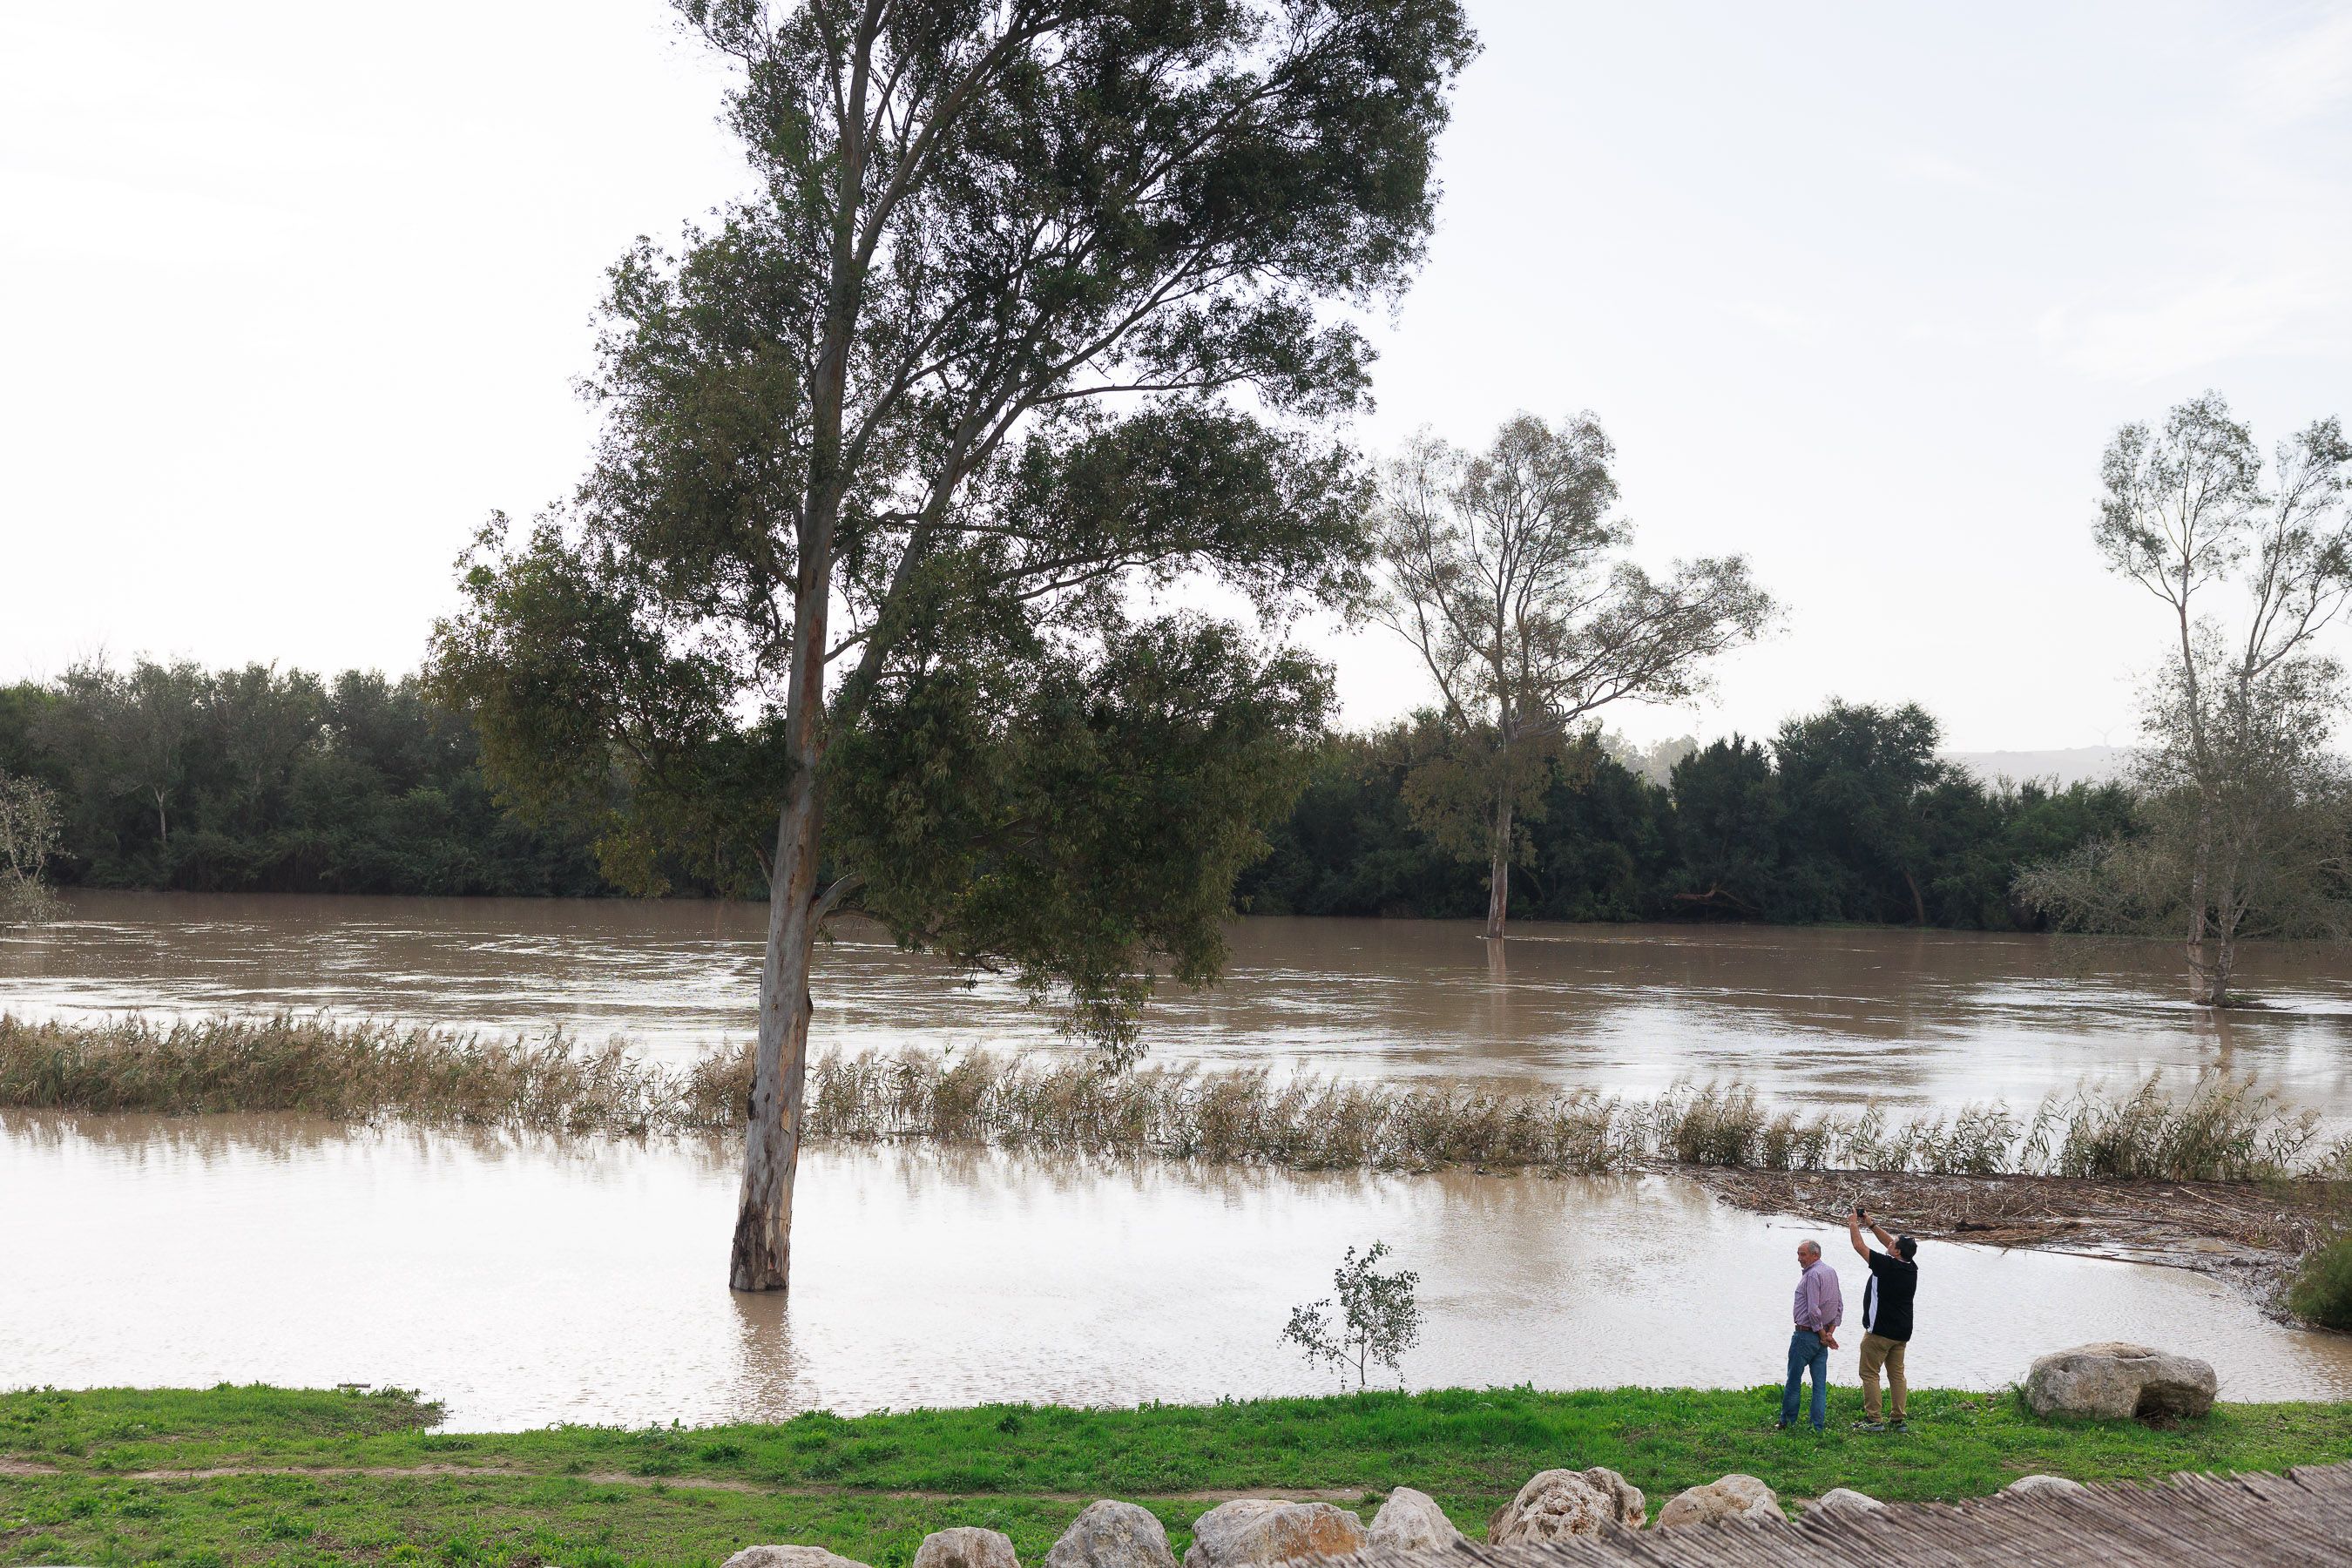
point(526, 1281)
point(1816, 1016)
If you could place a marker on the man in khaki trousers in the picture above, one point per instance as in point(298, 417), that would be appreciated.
point(1885, 1317)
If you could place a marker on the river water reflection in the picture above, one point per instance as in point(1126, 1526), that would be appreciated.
point(527, 1281)
point(1928, 1019)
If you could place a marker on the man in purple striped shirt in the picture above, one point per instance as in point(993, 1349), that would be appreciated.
point(1820, 1309)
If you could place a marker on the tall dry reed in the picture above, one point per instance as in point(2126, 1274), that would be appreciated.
point(355, 1073)
point(2220, 1128)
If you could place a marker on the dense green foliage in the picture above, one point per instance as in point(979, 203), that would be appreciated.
point(871, 1487)
point(1848, 815)
point(1026, 319)
point(254, 780)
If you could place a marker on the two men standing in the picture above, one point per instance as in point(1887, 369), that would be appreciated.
point(1819, 1308)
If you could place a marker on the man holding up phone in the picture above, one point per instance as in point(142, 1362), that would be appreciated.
point(1886, 1316)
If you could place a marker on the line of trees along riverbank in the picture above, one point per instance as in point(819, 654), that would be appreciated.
point(1845, 815)
point(170, 776)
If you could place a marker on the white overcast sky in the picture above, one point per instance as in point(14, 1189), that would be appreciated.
point(292, 295)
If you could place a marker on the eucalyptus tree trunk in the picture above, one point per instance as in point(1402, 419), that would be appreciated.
point(762, 1258)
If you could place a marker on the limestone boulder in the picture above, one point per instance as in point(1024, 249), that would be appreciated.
point(2054, 1485)
point(1556, 1504)
point(966, 1546)
point(1108, 1534)
point(790, 1557)
point(2112, 1380)
point(1251, 1532)
point(1844, 1498)
point(1732, 1497)
point(1412, 1522)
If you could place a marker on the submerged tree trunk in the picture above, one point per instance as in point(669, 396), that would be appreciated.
point(1498, 884)
point(2202, 992)
point(762, 1258)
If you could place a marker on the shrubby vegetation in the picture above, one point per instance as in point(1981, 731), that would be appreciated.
point(28, 841)
point(2322, 1290)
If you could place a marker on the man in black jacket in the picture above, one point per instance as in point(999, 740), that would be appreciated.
point(1885, 1317)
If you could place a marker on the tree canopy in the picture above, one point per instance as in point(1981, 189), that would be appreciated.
point(1041, 308)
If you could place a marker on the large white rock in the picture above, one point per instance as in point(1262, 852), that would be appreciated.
point(1843, 1497)
point(2111, 1381)
point(789, 1557)
point(2057, 1485)
point(966, 1546)
point(1732, 1497)
point(1108, 1534)
point(1412, 1522)
point(1249, 1533)
point(1556, 1504)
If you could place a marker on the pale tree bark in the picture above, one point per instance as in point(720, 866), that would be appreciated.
point(761, 1255)
point(1498, 886)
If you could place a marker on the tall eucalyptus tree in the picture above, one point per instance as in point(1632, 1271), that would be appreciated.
point(1032, 314)
point(2245, 810)
point(1506, 571)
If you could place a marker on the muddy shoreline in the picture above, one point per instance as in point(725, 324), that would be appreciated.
point(2249, 1234)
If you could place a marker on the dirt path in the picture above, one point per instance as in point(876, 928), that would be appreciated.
point(675, 1483)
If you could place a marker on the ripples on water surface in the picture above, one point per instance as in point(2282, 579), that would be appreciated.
point(1818, 1015)
point(526, 1281)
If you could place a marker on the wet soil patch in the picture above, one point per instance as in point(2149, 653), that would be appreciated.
point(2250, 1234)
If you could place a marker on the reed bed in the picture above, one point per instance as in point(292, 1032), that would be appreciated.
point(357, 1072)
point(2219, 1128)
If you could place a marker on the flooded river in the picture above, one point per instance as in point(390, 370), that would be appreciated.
point(525, 1281)
point(1816, 1016)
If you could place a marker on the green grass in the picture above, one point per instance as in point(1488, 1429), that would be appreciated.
point(1023, 1470)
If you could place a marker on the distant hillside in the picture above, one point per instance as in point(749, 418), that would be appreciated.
point(2078, 764)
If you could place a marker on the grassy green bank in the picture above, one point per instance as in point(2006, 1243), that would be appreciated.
point(367, 1477)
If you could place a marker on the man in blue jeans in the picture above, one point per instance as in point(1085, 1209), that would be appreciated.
point(1820, 1309)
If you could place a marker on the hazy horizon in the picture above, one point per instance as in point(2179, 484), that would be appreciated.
point(299, 298)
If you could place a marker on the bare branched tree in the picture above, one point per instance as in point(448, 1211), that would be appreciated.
point(1505, 571)
point(2242, 802)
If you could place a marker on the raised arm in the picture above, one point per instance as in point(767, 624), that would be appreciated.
point(1884, 1240)
point(1853, 1232)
